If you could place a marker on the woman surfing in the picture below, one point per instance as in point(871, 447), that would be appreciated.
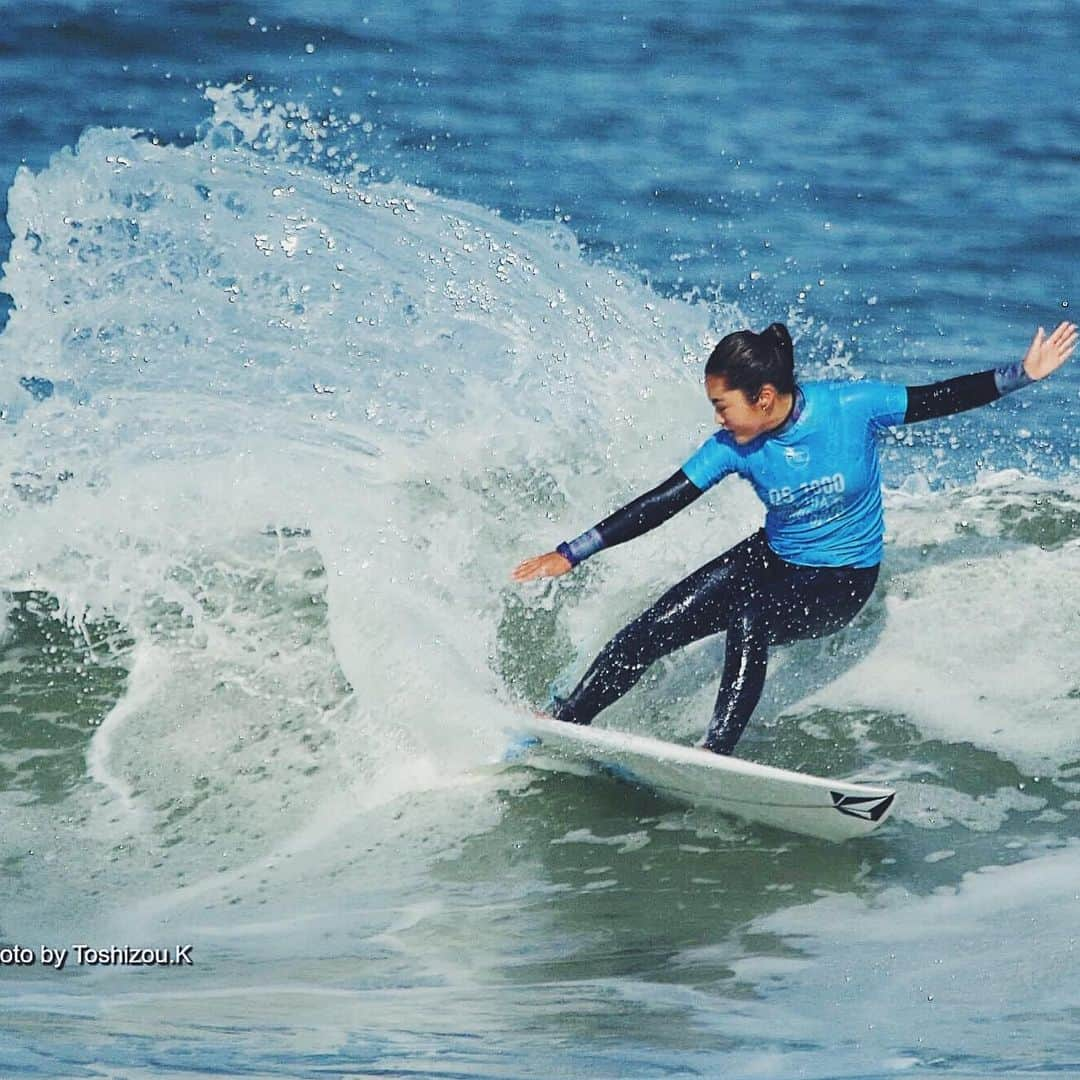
point(810, 452)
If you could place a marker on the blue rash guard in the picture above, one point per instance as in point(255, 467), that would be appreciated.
point(814, 511)
point(818, 476)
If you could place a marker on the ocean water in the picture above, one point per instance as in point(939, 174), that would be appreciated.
point(319, 318)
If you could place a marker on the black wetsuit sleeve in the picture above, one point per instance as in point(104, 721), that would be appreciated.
point(636, 517)
point(951, 396)
point(649, 510)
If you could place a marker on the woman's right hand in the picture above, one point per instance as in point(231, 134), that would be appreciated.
point(550, 565)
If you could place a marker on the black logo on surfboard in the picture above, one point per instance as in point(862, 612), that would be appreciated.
point(867, 807)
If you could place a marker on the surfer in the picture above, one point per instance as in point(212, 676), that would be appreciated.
point(810, 453)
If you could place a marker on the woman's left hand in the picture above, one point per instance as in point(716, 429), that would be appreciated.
point(1047, 354)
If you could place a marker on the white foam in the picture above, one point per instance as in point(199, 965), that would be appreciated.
point(932, 973)
point(299, 433)
point(978, 648)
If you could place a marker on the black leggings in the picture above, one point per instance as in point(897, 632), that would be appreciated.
point(751, 593)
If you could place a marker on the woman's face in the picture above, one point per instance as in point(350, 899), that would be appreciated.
point(743, 419)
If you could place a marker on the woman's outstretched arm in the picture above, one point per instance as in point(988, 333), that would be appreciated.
point(636, 517)
point(1045, 354)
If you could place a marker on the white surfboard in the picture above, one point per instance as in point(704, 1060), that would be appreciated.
point(797, 802)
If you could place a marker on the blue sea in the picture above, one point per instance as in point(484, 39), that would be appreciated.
point(319, 317)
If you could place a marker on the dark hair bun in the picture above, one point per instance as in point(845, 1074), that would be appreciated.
point(779, 333)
